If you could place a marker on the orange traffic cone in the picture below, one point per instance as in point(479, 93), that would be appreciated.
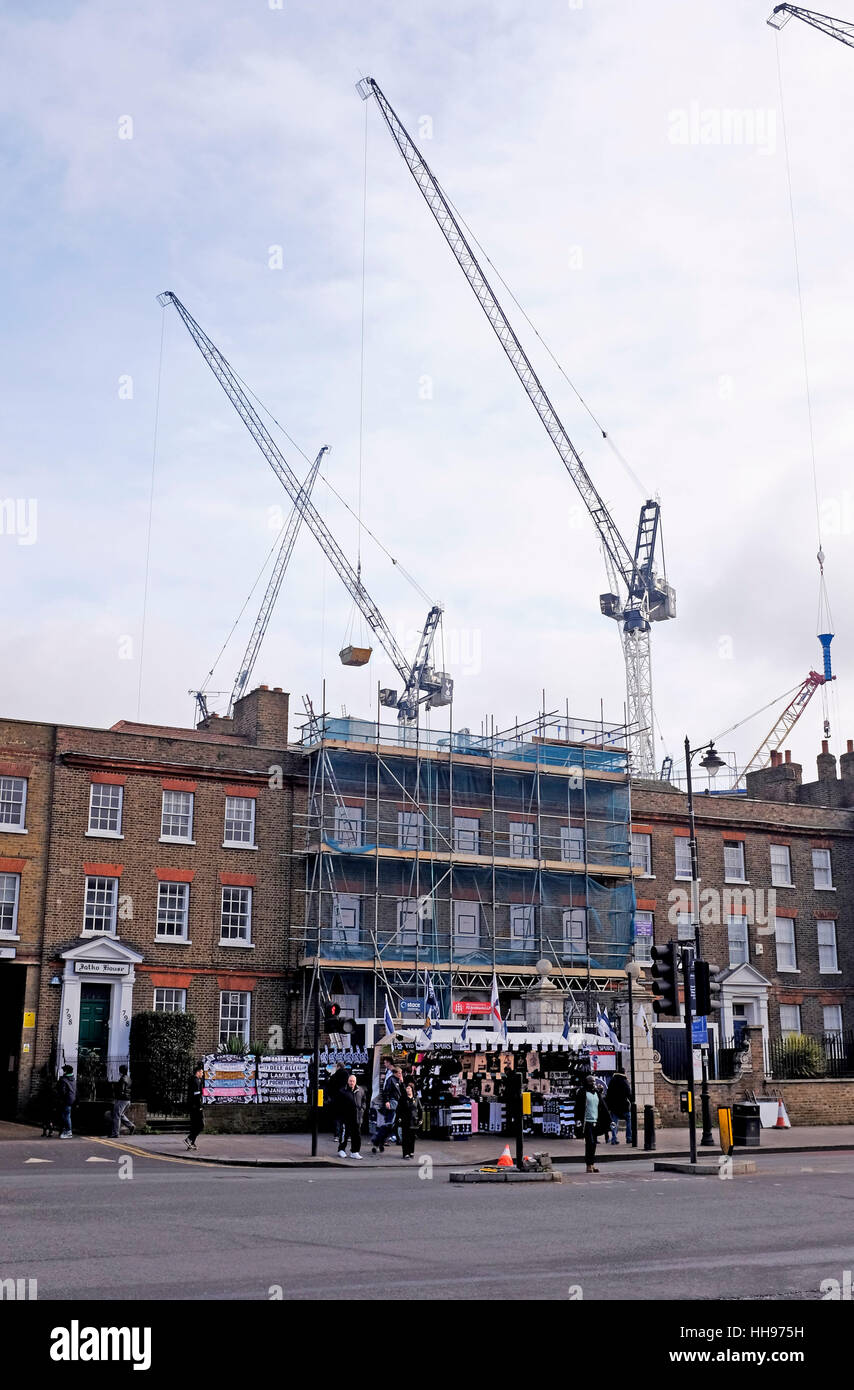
point(505, 1161)
point(781, 1118)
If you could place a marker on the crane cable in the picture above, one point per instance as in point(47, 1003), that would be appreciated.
point(571, 384)
point(825, 620)
point(150, 510)
point(277, 542)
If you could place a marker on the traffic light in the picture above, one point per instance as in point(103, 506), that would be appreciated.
point(334, 1023)
point(707, 989)
point(665, 979)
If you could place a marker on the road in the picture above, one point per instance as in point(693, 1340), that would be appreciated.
point(91, 1221)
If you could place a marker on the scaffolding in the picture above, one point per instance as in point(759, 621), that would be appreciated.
point(465, 855)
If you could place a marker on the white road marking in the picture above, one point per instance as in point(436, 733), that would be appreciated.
point(38, 1160)
point(100, 1160)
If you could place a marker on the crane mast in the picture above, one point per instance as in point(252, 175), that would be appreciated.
point(841, 29)
point(647, 598)
point(783, 726)
point(424, 686)
point(274, 585)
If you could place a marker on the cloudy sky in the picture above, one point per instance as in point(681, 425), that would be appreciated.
point(622, 164)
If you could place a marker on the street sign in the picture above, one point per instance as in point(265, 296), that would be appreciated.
point(412, 1008)
point(699, 1032)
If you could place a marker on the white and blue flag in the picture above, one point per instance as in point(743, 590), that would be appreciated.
point(388, 1020)
point(431, 1003)
point(603, 1027)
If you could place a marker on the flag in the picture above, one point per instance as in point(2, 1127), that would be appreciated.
point(565, 1033)
point(431, 1003)
point(603, 1027)
point(428, 1029)
point(641, 1022)
point(495, 1010)
point(464, 1034)
point(388, 1020)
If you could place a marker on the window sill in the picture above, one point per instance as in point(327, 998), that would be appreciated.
point(174, 840)
point(10, 936)
point(13, 830)
point(173, 941)
point(788, 970)
point(681, 878)
point(247, 945)
point(821, 972)
point(826, 889)
point(742, 882)
point(783, 885)
point(94, 931)
point(237, 844)
point(104, 835)
point(647, 877)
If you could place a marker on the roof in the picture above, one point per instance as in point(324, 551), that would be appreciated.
point(127, 726)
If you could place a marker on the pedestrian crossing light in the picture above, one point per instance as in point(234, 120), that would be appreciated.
point(706, 987)
point(665, 975)
point(334, 1023)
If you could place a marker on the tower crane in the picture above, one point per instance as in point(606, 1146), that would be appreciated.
point(783, 726)
point(422, 684)
point(841, 29)
point(638, 596)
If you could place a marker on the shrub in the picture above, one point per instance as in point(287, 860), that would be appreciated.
point(162, 1059)
point(801, 1057)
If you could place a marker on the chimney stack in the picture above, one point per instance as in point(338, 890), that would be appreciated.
point(788, 755)
point(846, 764)
point(826, 764)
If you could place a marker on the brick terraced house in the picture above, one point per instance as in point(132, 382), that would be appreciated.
point(776, 896)
point(143, 868)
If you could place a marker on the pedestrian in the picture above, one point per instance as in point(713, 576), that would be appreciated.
point(592, 1113)
point(352, 1103)
point(334, 1086)
point(195, 1105)
point(619, 1100)
point(389, 1099)
point(121, 1103)
point(409, 1115)
point(46, 1103)
point(66, 1091)
point(394, 1137)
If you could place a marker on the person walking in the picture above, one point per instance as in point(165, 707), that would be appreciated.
point(195, 1105)
point(121, 1103)
point(388, 1103)
point(592, 1114)
point(66, 1093)
point(409, 1115)
point(47, 1103)
point(334, 1086)
point(352, 1104)
point(618, 1099)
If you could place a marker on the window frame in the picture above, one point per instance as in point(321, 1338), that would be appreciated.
point(18, 827)
point(238, 844)
point(681, 841)
point(237, 939)
point(100, 831)
point(96, 879)
point(166, 837)
point(525, 942)
point(790, 1032)
point(568, 833)
point(730, 846)
point(822, 887)
point(793, 944)
point(170, 885)
point(472, 828)
point(243, 1030)
point(409, 822)
point(405, 908)
point(354, 905)
point(645, 957)
point(733, 920)
point(348, 825)
point(12, 934)
point(169, 1009)
point(788, 882)
point(520, 830)
point(827, 922)
point(832, 1032)
point(465, 907)
point(570, 918)
point(647, 858)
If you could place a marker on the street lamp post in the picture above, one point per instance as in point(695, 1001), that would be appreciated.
point(633, 970)
point(712, 763)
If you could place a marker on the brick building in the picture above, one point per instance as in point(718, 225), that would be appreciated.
point(776, 892)
point(145, 868)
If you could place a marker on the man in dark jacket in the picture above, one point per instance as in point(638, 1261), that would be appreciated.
point(66, 1094)
point(195, 1104)
point(618, 1099)
point(334, 1086)
point(121, 1101)
point(389, 1100)
point(352, 1104)
point(593, 1115)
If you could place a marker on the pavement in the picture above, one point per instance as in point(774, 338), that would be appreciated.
point(94, 1219)
point(294, 1150)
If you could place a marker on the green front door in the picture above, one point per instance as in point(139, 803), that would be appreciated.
point(94, 1018)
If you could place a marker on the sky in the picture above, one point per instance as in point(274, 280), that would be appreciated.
point(623, 166)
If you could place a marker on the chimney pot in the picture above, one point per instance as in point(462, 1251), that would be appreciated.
point(851, 745)
point(775, 757)
point(266, 687)
point(277, 689)
point(824, 745)
point(788, 755)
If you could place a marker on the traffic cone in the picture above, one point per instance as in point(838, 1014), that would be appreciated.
point(505, 1161)
point(781, 1118)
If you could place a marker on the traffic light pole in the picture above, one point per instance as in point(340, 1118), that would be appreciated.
point(687, 964)
point(316, 1088)
point(707, 1140)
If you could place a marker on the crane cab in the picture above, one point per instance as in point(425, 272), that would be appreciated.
point(355, 656)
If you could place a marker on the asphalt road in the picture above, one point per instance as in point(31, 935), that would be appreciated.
point(96, 1222)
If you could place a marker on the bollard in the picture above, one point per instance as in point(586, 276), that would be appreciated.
point(648, 1128)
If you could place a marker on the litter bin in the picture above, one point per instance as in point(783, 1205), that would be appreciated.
point(745, 1125)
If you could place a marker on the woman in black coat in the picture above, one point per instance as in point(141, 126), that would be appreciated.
point(409, 1113)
